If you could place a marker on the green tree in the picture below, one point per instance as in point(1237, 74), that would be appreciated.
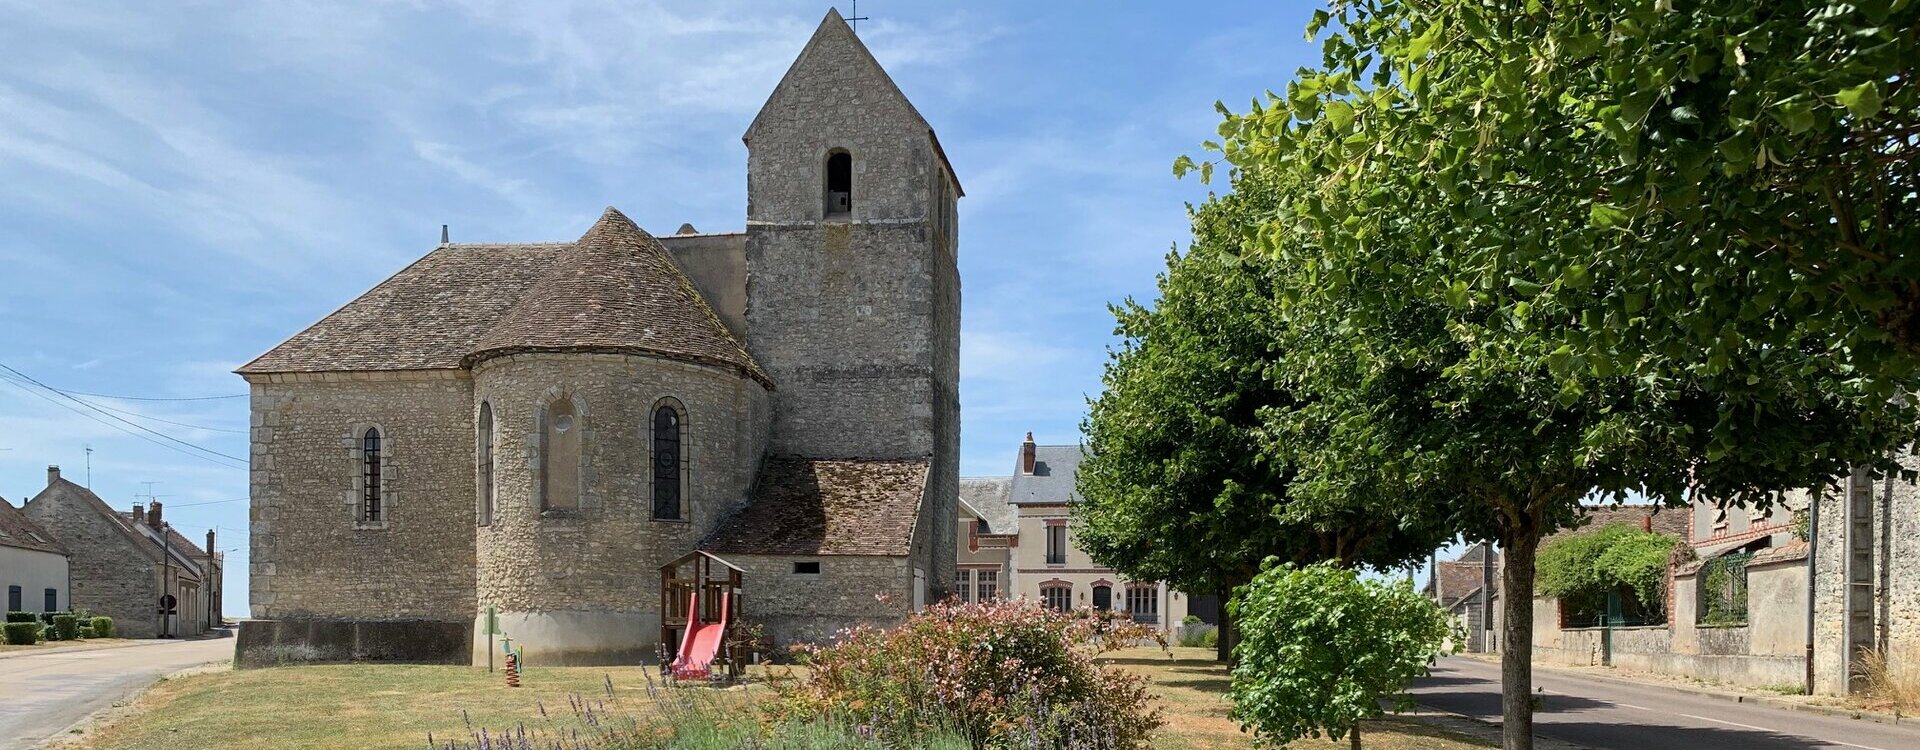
point(1524, 265)
point(1180, 483)
point(1321, 647)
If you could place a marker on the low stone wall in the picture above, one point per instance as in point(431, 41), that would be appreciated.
point(1718, 654)
point(268, 643)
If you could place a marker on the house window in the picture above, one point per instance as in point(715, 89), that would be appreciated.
point(485, 456)
point(13, 599)
point(1057, 544)
point(52, 600)
point(370, 464)
point(1144, 602)
point(560, 456)
point(1057, 598)
point(964, 584)
point(986, 585)
point(839, 183)
point(669, 464)
point(808, 568)
point(1103, 598)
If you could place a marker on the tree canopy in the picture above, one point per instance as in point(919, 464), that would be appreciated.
point(1532, 253)
point(1181, 483)
point(1323, 646)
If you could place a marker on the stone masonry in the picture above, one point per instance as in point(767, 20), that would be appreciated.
point(827, 341)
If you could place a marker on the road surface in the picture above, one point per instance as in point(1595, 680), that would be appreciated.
point(43, 694)
point(1610, 716)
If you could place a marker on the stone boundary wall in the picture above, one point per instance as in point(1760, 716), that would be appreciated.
point(272, 643)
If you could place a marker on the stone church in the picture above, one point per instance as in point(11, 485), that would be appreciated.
point(520, 440)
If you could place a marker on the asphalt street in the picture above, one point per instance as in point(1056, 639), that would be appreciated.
point(43, 694)
point(1610, 716)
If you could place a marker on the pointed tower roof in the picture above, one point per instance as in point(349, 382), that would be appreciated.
point(834, 41)
point(617, 290)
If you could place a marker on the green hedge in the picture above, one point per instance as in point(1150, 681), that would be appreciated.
point(18, 616)
point(102, 627)
point(67, 626)
point(22, 633)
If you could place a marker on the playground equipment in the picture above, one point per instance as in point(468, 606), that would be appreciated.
point(699, 601)
point(702, 641)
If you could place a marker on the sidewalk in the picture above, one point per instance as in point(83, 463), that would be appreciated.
point(112, 643)
point(1733, 693)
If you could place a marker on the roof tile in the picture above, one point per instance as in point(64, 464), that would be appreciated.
point(809, 506)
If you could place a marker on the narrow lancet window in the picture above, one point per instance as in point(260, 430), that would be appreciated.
point(370, 505)
point(668, 471)
point(484, 454)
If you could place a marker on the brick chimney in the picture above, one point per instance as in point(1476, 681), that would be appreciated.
point(153, 514)
point(139, 514)
point(53, 474)
point(1026, 455)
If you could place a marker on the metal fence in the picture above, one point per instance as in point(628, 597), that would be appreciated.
point(1723, 590)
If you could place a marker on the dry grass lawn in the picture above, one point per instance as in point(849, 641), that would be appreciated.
point(371, 706)
point(1192, 690)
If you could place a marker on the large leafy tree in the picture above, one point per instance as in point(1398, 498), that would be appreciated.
point(1540, 251)
point(1181, 483)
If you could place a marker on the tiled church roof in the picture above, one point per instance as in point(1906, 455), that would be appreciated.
point(614, 290)
point(817, 506)
point(617, 290)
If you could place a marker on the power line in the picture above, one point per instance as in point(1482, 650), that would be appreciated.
point(149, 398)
point(211, 454)
point(138, 415)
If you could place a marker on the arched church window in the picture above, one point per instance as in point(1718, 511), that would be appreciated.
point(839, 183)
point(669, 462)
point(484, 455)
point(370, 464)
point(560, 456)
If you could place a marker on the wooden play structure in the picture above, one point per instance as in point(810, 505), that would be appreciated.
point(699, 600)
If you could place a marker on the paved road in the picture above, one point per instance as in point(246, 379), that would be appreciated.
point(43, 694)
point(1610, 716)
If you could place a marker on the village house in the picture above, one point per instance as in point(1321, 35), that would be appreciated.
point(538, 441)
point(130, 566)
point(33, 566)
point(1023, 539)
point(1466, 588)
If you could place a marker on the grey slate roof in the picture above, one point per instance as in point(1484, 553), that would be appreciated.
point(16, 530)
point(989, 496)
point(616, 289)
point(818, 506)
point(1051, 482)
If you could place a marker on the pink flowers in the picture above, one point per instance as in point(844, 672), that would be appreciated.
point(996, 672)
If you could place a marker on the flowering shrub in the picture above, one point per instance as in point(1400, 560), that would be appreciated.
point(1003, 674)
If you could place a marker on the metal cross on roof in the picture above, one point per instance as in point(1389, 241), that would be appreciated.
point(855, 19)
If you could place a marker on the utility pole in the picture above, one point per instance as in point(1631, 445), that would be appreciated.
point(89, 447)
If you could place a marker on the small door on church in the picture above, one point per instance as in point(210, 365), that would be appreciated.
point(1102, 598)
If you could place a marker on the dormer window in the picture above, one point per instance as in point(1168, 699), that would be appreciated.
point(839, 183)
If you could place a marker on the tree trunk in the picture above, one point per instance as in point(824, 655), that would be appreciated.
point(1353, 738)
point(1222, 645)
point(1516, 647)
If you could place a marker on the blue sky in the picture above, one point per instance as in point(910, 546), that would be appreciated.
point(183, 187)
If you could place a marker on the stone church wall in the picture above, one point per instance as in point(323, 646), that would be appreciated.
point(717, 265)
point(311, 560)
point(813, 608)
point(588, 580)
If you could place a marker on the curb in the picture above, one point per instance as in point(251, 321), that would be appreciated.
point(137, 643)
point(1737, 697)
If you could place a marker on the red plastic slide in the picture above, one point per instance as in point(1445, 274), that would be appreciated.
point(701, 643)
